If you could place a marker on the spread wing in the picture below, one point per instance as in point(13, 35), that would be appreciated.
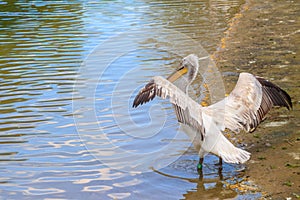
point(248, 103)
point(187, 110)
point(244, 108)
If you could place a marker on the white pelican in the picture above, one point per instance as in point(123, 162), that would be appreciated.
point(244, 108)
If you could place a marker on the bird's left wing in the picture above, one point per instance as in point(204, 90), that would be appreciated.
point(248, 103)
point(187, 110)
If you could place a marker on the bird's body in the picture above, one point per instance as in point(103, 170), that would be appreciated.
point(244, 108)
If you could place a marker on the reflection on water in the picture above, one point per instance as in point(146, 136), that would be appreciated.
point(43, 46)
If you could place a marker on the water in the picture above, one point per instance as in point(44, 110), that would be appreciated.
point(51, 147)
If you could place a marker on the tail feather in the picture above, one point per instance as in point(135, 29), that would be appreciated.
point(216, 143)
point(235, 155)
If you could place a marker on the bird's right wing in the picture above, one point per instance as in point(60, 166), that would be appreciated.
point(187, 110)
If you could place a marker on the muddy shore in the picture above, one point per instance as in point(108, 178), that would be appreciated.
point(263, 39)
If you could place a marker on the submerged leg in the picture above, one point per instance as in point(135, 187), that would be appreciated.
point(220, 168)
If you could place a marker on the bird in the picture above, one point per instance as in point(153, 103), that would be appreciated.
point(243, 109)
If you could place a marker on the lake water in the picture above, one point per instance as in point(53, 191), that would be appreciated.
point(69, 73)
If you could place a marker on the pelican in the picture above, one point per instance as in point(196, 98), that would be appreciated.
point(243, 109)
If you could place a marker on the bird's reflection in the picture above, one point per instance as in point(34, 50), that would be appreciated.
point(220, 172)
point(210, 187)
point(211, 183)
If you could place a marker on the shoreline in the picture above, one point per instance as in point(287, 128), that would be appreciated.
point(262, 39)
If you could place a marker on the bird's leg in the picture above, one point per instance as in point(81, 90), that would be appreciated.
point(220, 173)
point(220, 163)
point(200, 164)
point(199, 168)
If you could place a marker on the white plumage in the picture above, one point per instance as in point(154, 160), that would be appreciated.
point(244, 108)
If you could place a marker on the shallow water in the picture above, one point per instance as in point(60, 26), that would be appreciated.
point(69, 72)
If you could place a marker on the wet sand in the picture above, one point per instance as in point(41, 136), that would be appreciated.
point(263, 39)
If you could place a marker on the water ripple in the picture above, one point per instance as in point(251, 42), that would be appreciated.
point(43, 45)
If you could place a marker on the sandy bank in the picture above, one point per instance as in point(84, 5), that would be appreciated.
point(263, 39)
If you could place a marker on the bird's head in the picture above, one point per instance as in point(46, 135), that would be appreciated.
point(187, 70)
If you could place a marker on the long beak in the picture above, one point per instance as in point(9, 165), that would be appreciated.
point(177, 74)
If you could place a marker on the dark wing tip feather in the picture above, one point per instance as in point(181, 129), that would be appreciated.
point(145, 95)
point(278, 96)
